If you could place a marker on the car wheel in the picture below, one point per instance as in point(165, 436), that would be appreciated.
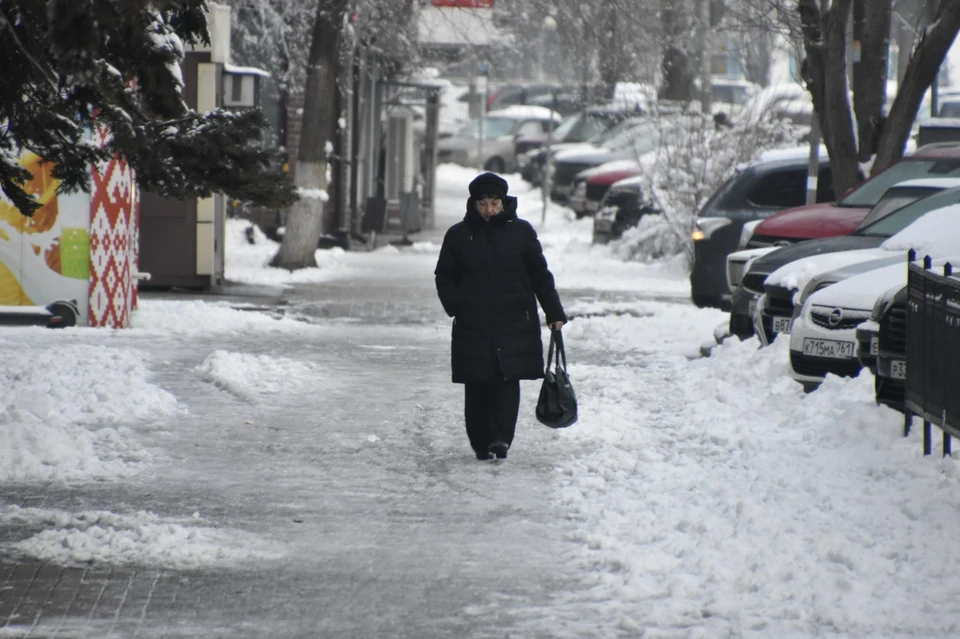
point(495, 165)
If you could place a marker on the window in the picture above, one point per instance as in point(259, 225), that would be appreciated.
point(781, 189)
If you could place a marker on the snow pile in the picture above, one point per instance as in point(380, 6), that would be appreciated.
point(720, 496)
point(63, 408)
point(181, 318)
point(143, 538)
point(248, 376)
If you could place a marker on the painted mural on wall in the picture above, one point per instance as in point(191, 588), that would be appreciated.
point(79, 247)
point(46, 257)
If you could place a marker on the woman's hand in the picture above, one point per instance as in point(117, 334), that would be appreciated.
point(557, 325)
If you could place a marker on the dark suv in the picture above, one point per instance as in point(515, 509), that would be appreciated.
point(775, 181)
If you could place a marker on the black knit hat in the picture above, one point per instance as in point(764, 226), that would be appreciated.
point(488, 184)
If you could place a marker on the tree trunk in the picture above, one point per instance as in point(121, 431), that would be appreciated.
point(610, 51)
point(871, 29)
point(824, 39)
point(304, 222)
point(921, 71)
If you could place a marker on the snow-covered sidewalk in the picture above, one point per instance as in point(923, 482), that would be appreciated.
point(696, 497)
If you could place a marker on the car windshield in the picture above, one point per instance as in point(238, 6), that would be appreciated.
point(586, 126)
point(642, 137)
point(894, 200)
point(870, 192)
point(492, 128)
point(899, 220)
point(562, 131)
point(614, 131)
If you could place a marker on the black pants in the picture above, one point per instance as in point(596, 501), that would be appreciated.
point(491, 412)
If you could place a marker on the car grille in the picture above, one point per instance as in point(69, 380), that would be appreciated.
point(565, 172)
point(765, 241)
point(893, 330)
point(596, 191)
point(821, 366)
point(848, 320)
point(735, 271)
point(753, 282)
point(780, 302)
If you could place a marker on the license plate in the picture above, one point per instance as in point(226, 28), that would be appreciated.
point(603, 225)
point(827, 348)
point(782, 324)
point(753, 307)
point(874, 345)
point(898, 369)
point(591, 205)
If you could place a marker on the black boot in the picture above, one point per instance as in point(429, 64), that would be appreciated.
point(500, 448)
point(484, 455)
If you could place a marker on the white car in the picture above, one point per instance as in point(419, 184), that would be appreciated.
point(824, 335)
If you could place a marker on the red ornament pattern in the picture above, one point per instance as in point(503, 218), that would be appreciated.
point(113, 241)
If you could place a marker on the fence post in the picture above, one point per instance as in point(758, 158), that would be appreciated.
point(927, 262)
point(912, 255)
point(907, 421)
point(927, 436)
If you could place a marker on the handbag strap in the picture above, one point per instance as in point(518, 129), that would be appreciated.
point(553, 333)
point(561, 352)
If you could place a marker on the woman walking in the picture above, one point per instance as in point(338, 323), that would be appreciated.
point(490, 274)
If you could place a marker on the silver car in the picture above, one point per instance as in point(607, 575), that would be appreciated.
point(500, 130)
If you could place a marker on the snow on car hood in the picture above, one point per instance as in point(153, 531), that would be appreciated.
point(936, 234)
point(795, 275)
point(861, 291)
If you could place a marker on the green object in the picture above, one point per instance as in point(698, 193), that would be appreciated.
point(75, 253)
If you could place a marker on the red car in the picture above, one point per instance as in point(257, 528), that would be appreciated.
point(843, 217)
point(591, 185)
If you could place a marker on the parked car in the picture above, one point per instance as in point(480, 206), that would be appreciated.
point(500, 129)
point(584, 126)
point(626, 141)
point(889, 217)
point(622, 207)
point(933, 160)
point(589, 186)
point(773, 182)
point(882, 346)
point(823, 339)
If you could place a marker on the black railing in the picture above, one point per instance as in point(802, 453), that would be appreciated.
point(932, 345)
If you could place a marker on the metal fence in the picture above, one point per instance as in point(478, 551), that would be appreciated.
point(933, 343)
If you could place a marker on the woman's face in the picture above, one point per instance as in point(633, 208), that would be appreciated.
point(488, 206)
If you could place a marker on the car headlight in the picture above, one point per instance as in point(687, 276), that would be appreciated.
point(704, 227)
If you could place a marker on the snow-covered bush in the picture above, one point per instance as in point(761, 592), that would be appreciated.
point(696, 155)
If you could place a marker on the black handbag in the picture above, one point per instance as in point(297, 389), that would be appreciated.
point(557, 406)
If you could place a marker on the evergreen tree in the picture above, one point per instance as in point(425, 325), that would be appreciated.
point(68, 65)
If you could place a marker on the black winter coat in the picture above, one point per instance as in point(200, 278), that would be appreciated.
point(489, 278)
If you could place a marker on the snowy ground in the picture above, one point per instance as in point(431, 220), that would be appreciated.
point(694, 498)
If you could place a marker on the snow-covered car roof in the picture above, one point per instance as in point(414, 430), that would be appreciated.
point(520, 111)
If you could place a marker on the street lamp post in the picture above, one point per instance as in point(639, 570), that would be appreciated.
point(549, 25)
